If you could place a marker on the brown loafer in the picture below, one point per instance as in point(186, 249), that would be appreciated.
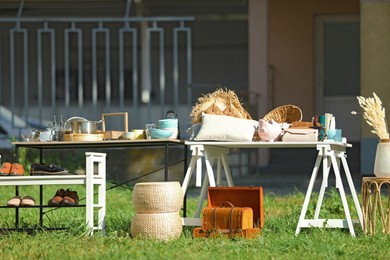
point(16, 170)
point(5, 169)
point(27, 201)
point(70, 199)
point(14, 201)
point(57, 199)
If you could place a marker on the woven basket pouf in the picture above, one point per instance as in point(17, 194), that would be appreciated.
point(157, 197)
point(162, 226)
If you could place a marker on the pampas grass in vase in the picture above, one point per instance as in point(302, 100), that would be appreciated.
point(374, 114)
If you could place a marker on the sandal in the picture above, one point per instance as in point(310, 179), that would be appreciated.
point(14, 201)
point(28, 201)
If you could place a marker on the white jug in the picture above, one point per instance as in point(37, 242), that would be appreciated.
point(382, 159)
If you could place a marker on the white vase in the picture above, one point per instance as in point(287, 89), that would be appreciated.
point(382, 159)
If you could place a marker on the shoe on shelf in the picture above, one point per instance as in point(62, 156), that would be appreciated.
point(70, 199)
point(47, 169)
point(5, 169)
point(27, 201)
point(16, 170)
point(14, 201)
point(57, 198)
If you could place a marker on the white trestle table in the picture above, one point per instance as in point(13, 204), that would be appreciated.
point(329, 154)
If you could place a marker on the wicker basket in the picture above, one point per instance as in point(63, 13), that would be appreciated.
point(285, 114)
point(157, 197)
point(163, 226)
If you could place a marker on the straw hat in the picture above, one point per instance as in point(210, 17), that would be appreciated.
point(285, 114)
point(157, 197)
point(220, 102)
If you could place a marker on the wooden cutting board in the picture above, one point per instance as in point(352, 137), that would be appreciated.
point(84, 137)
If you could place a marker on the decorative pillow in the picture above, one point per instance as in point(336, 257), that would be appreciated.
point(226, 128)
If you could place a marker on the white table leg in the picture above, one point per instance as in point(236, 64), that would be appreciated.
point(330, 157)
point(198, 152)
point(309, 191)
point(196, 158)
point(209, 167)
point(219, 171)
point(227, 171)
point(336, 170)
point(352, 188)
point(202, 196)
point(189, 173)
point(324, 185)
point(210, 156)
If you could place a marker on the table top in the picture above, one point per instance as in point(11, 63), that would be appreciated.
point(261, 144)
point(160, 142)
point(375, 179)
point(98, 144)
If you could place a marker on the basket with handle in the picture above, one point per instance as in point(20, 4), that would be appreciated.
point(285, 114)
point(108, 135)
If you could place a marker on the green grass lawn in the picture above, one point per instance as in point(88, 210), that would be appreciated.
point(277, 241)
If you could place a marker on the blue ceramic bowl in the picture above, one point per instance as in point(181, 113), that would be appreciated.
point(156, 133)
point(168, 123)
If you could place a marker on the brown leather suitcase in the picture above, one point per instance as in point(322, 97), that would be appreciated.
point(240, 196)
point(248, 233)
point(227, 217)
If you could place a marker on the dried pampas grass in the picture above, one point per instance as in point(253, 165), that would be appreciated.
point(374, 114)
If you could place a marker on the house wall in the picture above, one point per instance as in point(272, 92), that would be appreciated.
point(375, 77)
point(291, 48)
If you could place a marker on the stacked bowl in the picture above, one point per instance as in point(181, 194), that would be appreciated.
point(171, 124)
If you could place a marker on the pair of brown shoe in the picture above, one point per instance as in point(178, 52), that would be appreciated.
point(64, 198)
point(11, 169)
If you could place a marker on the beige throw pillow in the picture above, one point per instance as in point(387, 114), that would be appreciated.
point(226, 128)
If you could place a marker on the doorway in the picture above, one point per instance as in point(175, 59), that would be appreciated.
point(337, 71)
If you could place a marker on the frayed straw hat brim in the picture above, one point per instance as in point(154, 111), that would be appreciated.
point(225, 101)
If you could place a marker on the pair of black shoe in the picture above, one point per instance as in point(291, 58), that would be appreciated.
point(47, 169)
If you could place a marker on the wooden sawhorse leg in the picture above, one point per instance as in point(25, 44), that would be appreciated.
point(209, 155)
point(330, 158)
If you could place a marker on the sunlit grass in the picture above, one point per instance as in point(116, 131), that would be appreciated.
point(278, 240)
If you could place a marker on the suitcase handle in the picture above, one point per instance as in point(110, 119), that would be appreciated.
point(229, 204)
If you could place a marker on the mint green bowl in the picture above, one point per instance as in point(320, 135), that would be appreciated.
point(156, 133)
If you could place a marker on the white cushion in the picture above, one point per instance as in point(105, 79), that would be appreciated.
point(226, 128)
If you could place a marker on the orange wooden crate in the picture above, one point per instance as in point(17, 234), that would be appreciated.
point(240, 196)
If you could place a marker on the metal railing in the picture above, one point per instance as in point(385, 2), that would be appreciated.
point(89, 66)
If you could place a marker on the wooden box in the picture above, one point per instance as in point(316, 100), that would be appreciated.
point(240, 196)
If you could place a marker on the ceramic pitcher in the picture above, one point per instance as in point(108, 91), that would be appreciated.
point(382, 159)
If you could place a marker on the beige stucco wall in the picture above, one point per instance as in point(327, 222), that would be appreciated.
point(291, 48)
point(375, 53)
